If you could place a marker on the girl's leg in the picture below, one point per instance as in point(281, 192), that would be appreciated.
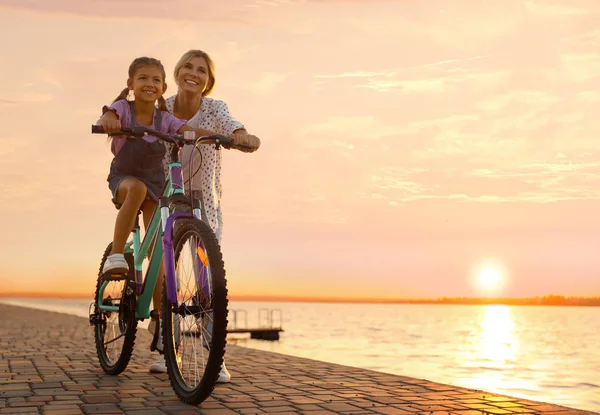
point(130, 195)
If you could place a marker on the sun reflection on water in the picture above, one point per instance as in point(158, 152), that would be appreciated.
point(497, 340)
point(494, 351)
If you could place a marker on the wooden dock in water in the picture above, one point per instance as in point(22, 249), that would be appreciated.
point(258, 333)
point(269, 325)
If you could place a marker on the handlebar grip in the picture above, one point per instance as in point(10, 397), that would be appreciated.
point(97, 129)
point(229, 142)
point(222, 139)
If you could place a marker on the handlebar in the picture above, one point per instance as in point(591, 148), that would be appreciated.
point(178, 139)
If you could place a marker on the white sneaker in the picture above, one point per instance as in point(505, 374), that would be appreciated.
point(115, 263)
point(160, 366)
point(224, 375)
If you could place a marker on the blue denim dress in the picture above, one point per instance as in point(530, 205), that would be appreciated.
point(140, 159)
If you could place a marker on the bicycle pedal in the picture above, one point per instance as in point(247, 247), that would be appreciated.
point(114, 276)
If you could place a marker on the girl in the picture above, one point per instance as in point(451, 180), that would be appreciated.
point(136, 176)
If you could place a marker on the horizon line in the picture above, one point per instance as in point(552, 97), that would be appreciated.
point(282, 298)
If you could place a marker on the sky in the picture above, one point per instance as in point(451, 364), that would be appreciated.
point(406, 145)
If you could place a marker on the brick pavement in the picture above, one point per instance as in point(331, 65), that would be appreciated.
point(48, 365)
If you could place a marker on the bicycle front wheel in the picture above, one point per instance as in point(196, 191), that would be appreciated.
point(195, 330)
point(114, 318)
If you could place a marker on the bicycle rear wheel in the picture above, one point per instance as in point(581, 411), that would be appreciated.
point(195, 331)
point(114, 331)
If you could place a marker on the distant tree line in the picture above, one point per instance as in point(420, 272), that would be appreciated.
point(555, 300)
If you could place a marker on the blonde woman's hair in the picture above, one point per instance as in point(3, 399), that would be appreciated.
point(197, 53)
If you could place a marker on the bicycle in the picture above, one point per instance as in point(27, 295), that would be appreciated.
point(176, 220)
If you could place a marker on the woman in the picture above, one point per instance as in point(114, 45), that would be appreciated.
point(195, 79)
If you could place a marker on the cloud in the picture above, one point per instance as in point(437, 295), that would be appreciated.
point(516, 146)
point(534, 182)
point(442, 66)
point(533, 159)
point(8, 102)
point(581, 67)
point(27, 98)
point(7, 147)
point(452, 120)
point(270, 3)
point(586, 40)
point(413, 86)
point(432, 77)
point(402, 182)
point(550, 8)
point(435, 84)
point(350, 128)
point(188, 10)
point(588, 97)
point(32, 169)
point(451, 146)
point(560, 178)
point(268, 82)
point(448, 65)
point(535, 99)
point(359, 74)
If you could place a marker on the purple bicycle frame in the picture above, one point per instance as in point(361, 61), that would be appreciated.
point(167, 240)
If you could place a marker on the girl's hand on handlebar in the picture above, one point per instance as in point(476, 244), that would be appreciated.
point(247, 140)
point(110, 122)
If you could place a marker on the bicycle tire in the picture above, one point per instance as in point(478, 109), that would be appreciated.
point(199, 393)
point(127, 317)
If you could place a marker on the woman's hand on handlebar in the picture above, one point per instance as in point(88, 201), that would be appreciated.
point(110, 122)
point(245, 139)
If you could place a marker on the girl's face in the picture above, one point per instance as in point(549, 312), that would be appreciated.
point(148, 83)
point(193, 76)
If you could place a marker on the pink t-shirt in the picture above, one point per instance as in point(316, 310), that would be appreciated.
point(170, 124)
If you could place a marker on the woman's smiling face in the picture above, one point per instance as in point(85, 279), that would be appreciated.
point(193, 75)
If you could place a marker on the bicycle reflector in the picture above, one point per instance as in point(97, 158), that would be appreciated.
point(202, 256)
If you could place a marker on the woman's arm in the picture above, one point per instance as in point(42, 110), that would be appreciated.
point(234, 129)
point(239, 136)
point(199, 131)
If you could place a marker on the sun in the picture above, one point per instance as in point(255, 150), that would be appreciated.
point(489, 279)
